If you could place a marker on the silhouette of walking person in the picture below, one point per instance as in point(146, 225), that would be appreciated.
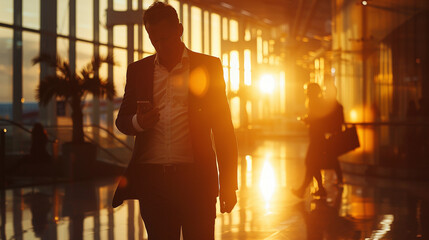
point(39, 140)
point(315, 152)
point(333, 121)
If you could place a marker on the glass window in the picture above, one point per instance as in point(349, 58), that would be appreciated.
point(235, 70)
point(84, 53)
point(216, 43)
point(6, 41)
point(265, 48)
point(136, 36)
point(225, 64)
point(63, 17)
point(185, 23)
point(84, 19)
point(120, 5)
point(247, 67)
point(31, 13)
point(6, 11)
point(235, 111)
point(196, 30)
point(233, 31)
point(104, 67)
point(103, 18)
point(63, 48)
point(135, 4)
point(282, 92)
point(103, 71)
point(225, 29)
point(120, 70)
point(147, 45)
point(30, 77)
point(120, 36)
point(136, 55)
point(206, 33)
point(260, 55)
point(247, 35)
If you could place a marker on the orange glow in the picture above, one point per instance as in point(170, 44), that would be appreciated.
point(267, 84)
point(215, 35)
point(354, 117)
point(247, 67)
point(233, 31)
point(248, 170)
point(234, 70)
point(267, 183)
point(123, 182)
point(196, 24)
point(199, 81)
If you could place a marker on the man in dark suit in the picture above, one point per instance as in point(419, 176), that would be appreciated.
point(181, 99)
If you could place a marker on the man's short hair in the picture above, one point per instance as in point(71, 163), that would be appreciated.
point(158, 12)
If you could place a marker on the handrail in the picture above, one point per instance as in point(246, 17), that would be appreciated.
point(94, 142)
point(87, 137)
point(112, 135)
point(97, 126)
point(103, 149)
point(24, 128)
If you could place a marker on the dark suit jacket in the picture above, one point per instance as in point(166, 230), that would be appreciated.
point(208, 112)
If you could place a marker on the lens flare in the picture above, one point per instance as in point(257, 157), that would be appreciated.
point(199, 81)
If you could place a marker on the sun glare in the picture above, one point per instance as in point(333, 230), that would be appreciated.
point(267, 183)
point(266, 84)
point(354, 115)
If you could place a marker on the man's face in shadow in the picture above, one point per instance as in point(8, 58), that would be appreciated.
point(165, 37)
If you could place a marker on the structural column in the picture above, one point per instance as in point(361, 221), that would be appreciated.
point(109, 105)
point(48, 46)
point(17, 61)
point(96, 100)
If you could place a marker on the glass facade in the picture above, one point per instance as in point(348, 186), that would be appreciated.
point(6, 11)
point(31, 43)
point(6, 67)
point(84, 19)
point(31, 14)
point(205, 31)
point(378, 68)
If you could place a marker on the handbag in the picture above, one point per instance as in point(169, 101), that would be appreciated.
point(342, 142)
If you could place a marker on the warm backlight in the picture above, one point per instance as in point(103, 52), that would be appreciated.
point(267, 183)
point(266, 84)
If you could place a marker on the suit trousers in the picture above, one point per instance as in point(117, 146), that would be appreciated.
point(171, 201)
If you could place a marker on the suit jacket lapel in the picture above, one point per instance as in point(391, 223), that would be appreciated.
point(145, 78)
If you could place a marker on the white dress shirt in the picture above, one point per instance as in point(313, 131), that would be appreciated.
point(171, 140)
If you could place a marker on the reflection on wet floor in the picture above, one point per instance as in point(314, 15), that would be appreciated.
point(362, 209)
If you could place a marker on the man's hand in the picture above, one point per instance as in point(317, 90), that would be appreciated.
point(149, 119)
point(227, 199)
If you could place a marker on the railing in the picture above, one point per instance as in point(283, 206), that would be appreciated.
point(16, 143)
point(111, 149)
point(18, 139)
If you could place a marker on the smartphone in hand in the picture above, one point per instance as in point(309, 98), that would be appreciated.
point(143, 106)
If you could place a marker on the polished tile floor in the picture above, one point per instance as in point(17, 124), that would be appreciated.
point(365, 208)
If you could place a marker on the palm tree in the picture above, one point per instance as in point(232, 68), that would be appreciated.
point(73, 87)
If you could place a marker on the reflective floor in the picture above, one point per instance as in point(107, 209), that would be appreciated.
point(363, 209)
